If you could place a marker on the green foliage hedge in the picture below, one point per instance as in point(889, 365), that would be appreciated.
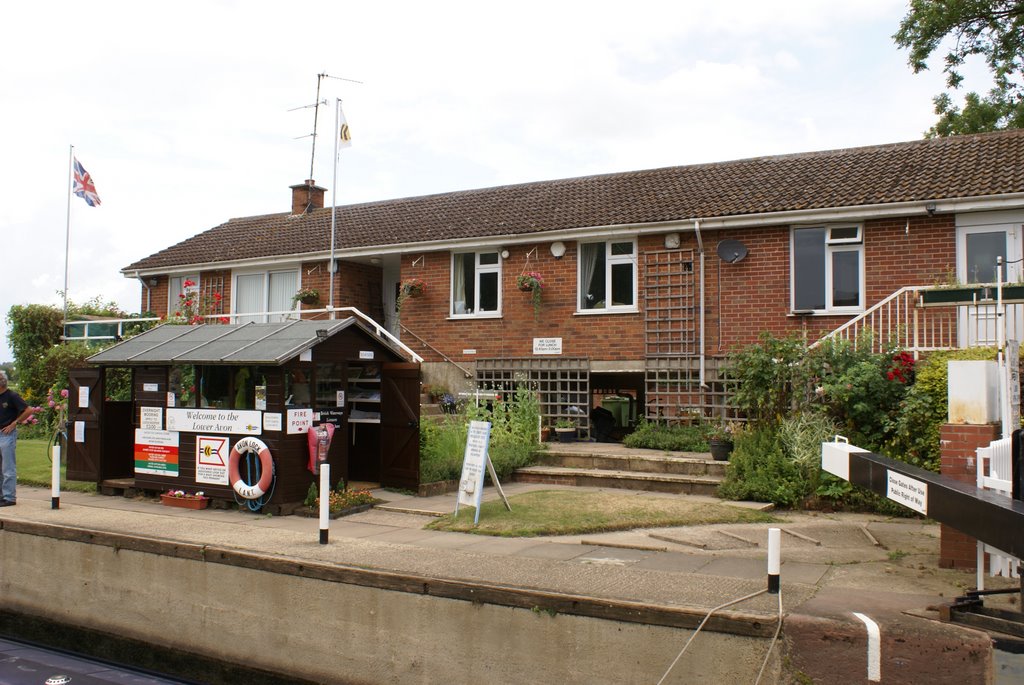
point(514, 422)
point(655, 436)
point(797, 398)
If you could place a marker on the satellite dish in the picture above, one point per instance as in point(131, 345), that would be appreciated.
point(731, 251)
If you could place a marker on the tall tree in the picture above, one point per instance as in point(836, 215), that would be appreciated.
point(991, 29)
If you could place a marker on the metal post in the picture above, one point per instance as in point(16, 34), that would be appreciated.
point(55, 477)
point(325, 502)
point(774, 559)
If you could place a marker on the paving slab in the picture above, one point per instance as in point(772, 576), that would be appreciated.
point(555, 550)
point(680, 577)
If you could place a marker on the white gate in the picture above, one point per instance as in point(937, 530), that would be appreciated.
point(995, 473)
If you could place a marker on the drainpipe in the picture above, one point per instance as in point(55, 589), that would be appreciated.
point(146, 286)
point(700, 252)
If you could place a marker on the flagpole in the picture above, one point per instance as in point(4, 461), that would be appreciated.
point(334, 202)
point(67, 238)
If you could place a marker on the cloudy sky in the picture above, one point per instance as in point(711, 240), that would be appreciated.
point(182, 112)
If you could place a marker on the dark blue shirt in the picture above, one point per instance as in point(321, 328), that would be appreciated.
point(11, 407)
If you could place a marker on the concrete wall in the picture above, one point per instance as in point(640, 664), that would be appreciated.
point(216, 603)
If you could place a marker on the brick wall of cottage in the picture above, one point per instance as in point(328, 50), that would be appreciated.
point(355, 285)
point(742, 299)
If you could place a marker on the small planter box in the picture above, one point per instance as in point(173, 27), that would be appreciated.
point(185, 502)
point(981, 294)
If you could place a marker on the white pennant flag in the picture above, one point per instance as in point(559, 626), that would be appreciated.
point(344, 135)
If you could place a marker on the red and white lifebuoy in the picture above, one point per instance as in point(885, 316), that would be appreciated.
point(246, 445)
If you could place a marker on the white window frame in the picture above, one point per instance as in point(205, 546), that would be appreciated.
point(172, 293)
point(478, 269)
point(263, 315)
point(610, 260)
point(833, 245)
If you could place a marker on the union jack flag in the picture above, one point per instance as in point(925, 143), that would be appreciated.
point(84, 187)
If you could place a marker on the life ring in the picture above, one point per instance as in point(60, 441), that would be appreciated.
point(250, 444)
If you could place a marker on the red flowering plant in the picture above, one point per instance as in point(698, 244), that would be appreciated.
point(195, 307)
point(902, 368)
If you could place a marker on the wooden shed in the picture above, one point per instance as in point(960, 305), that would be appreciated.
point(202, 394)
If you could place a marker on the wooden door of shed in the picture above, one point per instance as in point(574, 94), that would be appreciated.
point(84, 420)
point(400, 426)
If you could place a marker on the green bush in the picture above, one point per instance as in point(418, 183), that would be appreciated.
point(915, 431)
point(658, 436)
point(767, 378)
point(760, 470)
point(513, 441)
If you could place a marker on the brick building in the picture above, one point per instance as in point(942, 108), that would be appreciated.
point(650, 277)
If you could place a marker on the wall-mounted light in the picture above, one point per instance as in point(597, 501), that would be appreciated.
point(558, 249)
point(153, 282)
point(504, 254)
point(671, 241)
point(930, 208)
point(321, 334)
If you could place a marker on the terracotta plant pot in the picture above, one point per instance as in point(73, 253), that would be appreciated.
point(185, 502)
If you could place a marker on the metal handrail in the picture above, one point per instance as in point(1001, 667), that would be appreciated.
point(438, 352)
point(902, 321)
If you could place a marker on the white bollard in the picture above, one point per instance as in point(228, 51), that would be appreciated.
point(774, 559)
point(325, 501)
point(55, 477)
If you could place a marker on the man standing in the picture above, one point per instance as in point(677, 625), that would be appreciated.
point(13, 410)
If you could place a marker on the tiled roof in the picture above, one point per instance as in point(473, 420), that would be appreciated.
point(943, 168)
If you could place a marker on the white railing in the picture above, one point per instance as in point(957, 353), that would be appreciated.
point(104, 325)
point(995, 470)
point(109, 329)
point(900, 321)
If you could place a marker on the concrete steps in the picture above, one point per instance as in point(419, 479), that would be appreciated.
point(614, 466)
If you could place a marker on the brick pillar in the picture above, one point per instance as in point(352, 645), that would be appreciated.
point(959, 442)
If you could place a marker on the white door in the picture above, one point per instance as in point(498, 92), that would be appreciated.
point(981, 239)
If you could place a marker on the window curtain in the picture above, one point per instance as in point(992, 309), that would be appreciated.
point(248, 296)
point(283, 286)
point(459, 303)
point(589, 255)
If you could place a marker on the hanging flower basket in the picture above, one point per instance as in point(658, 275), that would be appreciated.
point(306, 296)
point(531, 282)
point(413, 287)
point(409, 288)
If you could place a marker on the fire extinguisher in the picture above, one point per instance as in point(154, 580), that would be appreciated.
point(323, 445)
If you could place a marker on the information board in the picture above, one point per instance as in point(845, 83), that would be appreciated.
point(474, 464)
point(156, 452)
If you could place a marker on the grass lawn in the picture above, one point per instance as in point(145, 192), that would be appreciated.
point(34, 467)
point(564, 512)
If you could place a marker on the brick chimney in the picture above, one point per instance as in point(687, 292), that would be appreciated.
point(306, 197)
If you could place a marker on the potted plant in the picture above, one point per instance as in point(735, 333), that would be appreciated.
point(179, 498)
point(410, 287)
point(531, 282)
point(720, 439)
point(306, 296)
point(565, 429)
